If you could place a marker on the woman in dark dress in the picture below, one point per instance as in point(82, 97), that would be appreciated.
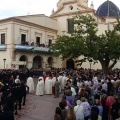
point(105, 109)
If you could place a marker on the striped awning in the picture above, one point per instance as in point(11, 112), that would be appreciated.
point(3, 47)
point(31, 48)
point(42, 49)
point(18, 63)
point(23, 47)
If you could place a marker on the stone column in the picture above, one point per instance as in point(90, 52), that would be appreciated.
point(29, 64)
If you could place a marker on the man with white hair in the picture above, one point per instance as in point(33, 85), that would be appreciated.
point(78, 110)
point(104, 86)
point(60, 79)
point(40, 86)
point(63, 81)
point(17, 80)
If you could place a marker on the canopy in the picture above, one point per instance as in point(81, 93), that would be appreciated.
point(18, 63)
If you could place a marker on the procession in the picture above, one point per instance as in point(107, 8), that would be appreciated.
point(84, 95)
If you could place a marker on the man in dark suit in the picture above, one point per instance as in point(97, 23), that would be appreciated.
point(5, 114)
point(115, 108)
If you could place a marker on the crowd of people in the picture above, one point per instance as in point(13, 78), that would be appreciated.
point(89, 96)
point(86, 95)
point(35, 44)
point(13, 96)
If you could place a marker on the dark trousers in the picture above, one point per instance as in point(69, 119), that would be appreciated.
point(24, 99)
point(86, 118)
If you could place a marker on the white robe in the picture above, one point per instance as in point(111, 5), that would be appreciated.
point(30, 84)
point(53, 81)
point(60, 80)
point(64, 79)
point(40, 88)
point(48, 86)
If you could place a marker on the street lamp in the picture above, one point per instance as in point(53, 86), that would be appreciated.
point(24, 64)
point(4, 62)
point(90, 61)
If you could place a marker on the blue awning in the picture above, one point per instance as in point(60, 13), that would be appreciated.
point(24, 47)
point(3, 47)
point(42, 49)
point(31, 48)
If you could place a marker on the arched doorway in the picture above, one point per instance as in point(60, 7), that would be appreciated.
point(24, 59)
point(37, 62)
point(50, 62)
point(70, 64)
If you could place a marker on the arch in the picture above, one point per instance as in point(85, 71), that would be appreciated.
point(25, 59)
point(37, 62)
point(50, 62)
point(70, 64)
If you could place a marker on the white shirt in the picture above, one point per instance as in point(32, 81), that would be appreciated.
point(104, 86)
point(73, 91)
point(78, 110)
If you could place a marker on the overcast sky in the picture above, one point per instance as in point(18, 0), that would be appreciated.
point(10, 8)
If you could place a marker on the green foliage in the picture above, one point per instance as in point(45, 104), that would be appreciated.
point(85, 41)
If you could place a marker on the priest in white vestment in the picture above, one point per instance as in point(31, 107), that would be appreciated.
point(48, 85)
point(40, 86)
point(63, 82)
point(30, 84)
point(60, 80)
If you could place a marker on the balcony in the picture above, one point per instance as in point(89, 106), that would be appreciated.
point(23, 47)
point(20, 47)
point(42, 49)
point(3, 47)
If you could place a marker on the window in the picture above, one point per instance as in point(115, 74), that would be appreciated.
point(3, 38)
point(38, 41)
point(49, 42)
point(71, 7)
point(70, 25)
point(23, 39)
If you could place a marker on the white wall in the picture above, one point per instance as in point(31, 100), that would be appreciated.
point(41, 20)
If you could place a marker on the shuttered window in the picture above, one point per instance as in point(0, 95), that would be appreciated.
point(70, 25)
point(3, 38)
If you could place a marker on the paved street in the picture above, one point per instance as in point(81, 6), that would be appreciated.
point(38, 107)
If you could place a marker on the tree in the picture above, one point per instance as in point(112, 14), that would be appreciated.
point(85, 41)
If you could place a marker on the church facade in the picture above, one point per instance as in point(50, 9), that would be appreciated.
point(25, 41)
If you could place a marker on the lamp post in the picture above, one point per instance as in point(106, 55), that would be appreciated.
point(90, 61)
point(4, 62)
point(24, 64)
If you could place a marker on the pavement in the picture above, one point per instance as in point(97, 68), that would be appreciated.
point(38, 107)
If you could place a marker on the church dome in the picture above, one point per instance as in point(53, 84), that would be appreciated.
point(108, 8)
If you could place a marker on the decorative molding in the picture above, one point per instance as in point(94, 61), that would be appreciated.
point(70, 2)
point(16, 20)
point(50, 36)
point(37, 33)
point(4, 29)
point(23, 30)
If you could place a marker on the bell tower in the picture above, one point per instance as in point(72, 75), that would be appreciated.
point(83, 2)
point(61, 2)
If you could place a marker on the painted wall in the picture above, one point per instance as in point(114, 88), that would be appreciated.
point(41, 20)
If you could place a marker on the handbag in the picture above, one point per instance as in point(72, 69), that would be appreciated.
point(77, 110)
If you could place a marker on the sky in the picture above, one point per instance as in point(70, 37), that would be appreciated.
point(10, 8)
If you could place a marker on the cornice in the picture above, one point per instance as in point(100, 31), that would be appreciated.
point(72, 13)
point(13, 19)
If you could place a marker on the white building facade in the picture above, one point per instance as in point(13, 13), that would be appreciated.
point(25, 40)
